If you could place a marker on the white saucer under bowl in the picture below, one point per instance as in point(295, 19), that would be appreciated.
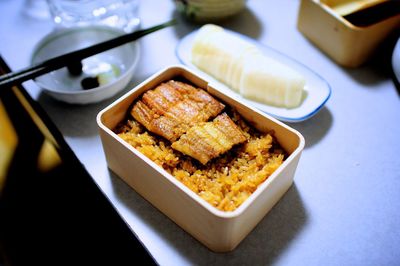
point(396, 61)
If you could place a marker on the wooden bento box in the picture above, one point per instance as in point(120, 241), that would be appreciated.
point(349, 38)
point(218, 230)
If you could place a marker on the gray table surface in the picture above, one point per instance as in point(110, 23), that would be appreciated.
point(344, 206)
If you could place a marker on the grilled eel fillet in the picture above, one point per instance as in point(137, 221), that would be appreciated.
point(208, 140)
point(173, 108)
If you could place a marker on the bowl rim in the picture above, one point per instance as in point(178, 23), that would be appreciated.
point(55, 34)
point(194, 196)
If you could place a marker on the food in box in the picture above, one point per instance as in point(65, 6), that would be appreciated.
point(223, 161)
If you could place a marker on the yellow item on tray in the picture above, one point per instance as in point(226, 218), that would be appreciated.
point(245, 69)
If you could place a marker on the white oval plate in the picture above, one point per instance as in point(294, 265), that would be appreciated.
point(317, 89)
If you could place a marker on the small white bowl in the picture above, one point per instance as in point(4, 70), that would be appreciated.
point(63, 86)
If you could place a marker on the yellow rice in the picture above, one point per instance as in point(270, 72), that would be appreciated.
point(225, 182)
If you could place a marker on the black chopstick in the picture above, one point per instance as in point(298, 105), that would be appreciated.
point(58, 62)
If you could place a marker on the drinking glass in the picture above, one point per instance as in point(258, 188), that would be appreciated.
point(116, 13)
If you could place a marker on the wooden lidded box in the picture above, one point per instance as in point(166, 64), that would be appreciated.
point(218, 230)
point(346, 33)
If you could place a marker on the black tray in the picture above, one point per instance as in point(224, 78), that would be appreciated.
point(51, 210)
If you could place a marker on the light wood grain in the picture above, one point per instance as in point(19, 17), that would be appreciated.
point(219, 231)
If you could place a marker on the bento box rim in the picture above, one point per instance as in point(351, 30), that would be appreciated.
point(219, 213)
point(344, 21)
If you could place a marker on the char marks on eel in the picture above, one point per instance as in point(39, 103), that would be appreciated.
point(208, 140)
point(173, 107)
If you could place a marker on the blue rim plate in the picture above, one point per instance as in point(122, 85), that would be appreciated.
point(317, 89)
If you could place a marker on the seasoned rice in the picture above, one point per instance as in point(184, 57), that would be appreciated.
point(225, 182)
